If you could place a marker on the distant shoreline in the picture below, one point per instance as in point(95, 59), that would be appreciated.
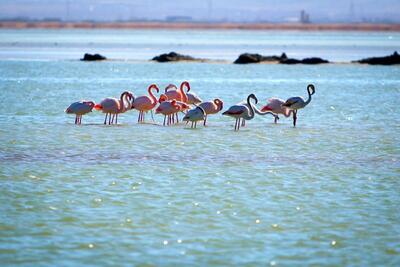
point(198, 26)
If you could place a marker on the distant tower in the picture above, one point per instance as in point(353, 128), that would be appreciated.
point(352, 16)
point(67, 7)
point(210, 10)
point(304, 17)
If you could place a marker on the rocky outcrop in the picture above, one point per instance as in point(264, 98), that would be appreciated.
point(247, 58)
point(95, 57)
point(310, 60)
point(172, 56)
point(388, 60)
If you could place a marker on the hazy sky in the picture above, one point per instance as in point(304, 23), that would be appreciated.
point(229, 10)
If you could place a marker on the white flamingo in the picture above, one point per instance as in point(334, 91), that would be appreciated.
point(80, 108)
point(297, 102)
point(195, 115)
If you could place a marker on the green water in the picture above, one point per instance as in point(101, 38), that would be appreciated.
point(325, 193)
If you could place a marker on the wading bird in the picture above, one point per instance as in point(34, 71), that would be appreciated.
point(80, 108)
point(297, 102)
point(145, 103)
point(115, 106)
point(212, 107)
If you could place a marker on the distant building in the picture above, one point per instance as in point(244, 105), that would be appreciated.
point(304, 17)
point(178, 18)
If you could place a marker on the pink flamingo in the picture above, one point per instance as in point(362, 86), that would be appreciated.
point(145, 103)
point(168, 108)
point(275, 105)
point(115, 106)
point(176, 94)
point(212, 107)
point(80, 108)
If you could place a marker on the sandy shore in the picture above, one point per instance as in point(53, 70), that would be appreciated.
point(202, 26)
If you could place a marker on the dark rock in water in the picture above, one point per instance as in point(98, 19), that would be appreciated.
point(314, 60)
point(310, 60)
point(290, 61)
point(388, 60)
point(172, 56)
point(90, 57)
point(247, 58)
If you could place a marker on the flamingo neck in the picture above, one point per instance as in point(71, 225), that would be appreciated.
point(153, 98)
point(251, 109)
point(183, 93)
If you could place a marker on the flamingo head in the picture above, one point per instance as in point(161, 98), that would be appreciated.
point(155, 87)
point(184, 106)
point(311, 89)
point(219, 103)
point(185, 83)
point(162, 98)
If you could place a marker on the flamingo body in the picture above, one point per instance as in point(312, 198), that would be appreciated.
point(80, 108)
point(195, 115)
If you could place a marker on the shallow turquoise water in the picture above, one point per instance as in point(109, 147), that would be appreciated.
point(45, 44)
point(325, 193)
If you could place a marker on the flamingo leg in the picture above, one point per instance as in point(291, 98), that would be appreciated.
point(138, 120)
point(243, 122)
point(80, 119)
point(173, 118)
point(165, 116)
point(177, 118)
point(105, 119)
point(76, 119)
point(294, 117)
point(205, 120)
point(236, 122)
point(143, 116)
point(116, 118)
point(195, 124)
point(239, 124)
point(112, 119)
point(276, 120)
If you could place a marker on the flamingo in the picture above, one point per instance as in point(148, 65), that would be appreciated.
point(275, 105)
point(177, 94)
point(195, 115)
point(297, 102)
point(244, 111)
point(168, 108)
point(115, 106)
point(145, 103)
point(193, 99)
point(241, 111)
point(212, 107)
point(80, 108)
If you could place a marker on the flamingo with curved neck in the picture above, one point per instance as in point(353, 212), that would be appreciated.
point(145, 103)
point(242, 111)
point(297, 102)
point(113, 106)
point(212, 107)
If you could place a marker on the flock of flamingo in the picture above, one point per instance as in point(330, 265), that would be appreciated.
point(176, 100)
